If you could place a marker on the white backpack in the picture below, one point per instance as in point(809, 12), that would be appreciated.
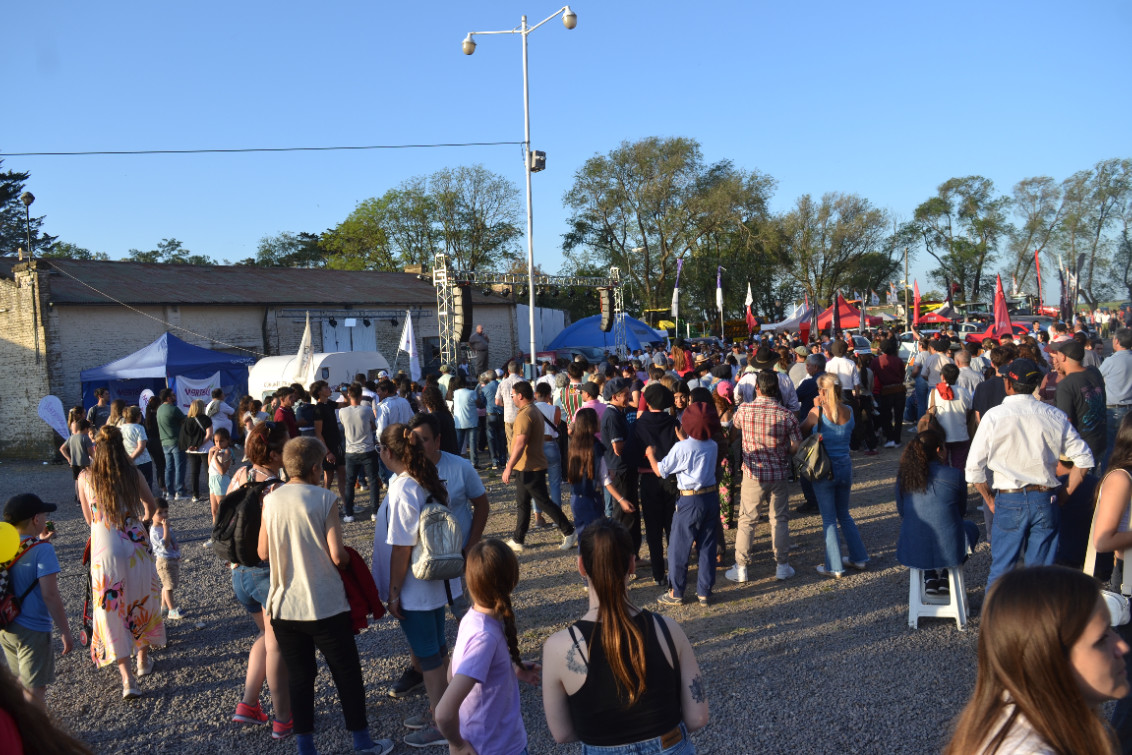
point(438, 554)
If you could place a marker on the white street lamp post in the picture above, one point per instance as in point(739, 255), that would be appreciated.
point(569, 20)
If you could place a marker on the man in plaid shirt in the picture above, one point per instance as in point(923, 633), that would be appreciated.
point(572, 397)
point(771, 435)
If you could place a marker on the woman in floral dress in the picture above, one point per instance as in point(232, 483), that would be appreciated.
point(126, 590)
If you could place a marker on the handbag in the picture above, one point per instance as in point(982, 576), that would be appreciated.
point(811, 461)
point(928, 422)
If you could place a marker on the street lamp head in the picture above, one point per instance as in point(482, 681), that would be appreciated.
point(27, 198)
point(469, 45)
point(569, 18)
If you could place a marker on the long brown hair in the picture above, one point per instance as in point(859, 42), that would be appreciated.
point(1031, 620)
point(491, 573)
point(920, 452)
point(606, 548)
point(117, 411)
point(580, 455)
point(115, 480)
point(830, 389)
point(39, 734)
point(679, 359)
point(399, 440)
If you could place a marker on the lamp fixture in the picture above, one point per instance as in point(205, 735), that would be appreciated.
point(506, 292)
point(333, 322)
point(366, 322)
point(393, 321)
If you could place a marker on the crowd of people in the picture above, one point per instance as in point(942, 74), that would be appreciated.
point(660, 453)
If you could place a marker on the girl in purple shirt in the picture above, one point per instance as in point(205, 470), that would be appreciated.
point(479, 712)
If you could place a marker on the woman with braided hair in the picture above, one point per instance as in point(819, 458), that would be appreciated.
point(479, 712)
point(116, 501)
point(418, 604)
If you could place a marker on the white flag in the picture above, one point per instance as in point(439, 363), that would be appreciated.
point(675, 302)
point(750, 299)
point(51, 412)
point(305, 356)
point(408, 345)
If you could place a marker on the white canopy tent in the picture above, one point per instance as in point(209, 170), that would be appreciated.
point(793, 322)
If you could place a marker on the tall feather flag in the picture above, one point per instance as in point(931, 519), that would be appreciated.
point(719, 288)
point(305, 356)
point(874, 299)
point(676, 289)
point(1002, 325)
point(862, 316)
point(1038, 268)
point(752, 323)
point(915, 303)
point(813, 318)
point(408, 344)
point(835, 322)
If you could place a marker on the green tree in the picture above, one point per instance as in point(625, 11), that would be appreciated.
point(839, 242)
point(1040, 206)
point(13, 217)
point(66, 250)
point(648, 203)
point(961, 228)
point(169, 252)
point(290, 250)
point(1094, 198)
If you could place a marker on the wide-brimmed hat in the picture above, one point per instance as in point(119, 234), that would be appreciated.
point(764, 358)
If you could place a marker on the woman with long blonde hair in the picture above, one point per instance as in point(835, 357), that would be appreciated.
point(126, 590)
point(1048, 662)
point(620, 675)
point(198, 427)
point(833, 420)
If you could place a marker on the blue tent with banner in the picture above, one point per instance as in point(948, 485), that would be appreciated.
point(588, 332)
point(161, 365)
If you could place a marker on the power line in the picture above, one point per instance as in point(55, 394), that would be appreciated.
point(244, 150)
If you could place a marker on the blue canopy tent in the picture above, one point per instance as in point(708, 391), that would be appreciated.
point(588, 332)
point(159, 365)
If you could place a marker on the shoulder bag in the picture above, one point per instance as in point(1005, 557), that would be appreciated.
point(811, 461)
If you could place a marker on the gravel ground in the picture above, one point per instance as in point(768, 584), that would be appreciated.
point(807, 665)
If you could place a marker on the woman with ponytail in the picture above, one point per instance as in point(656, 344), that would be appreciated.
point(116, 502)
point(479, 712)
point(620, 675)
point(930, 497)
point(418, 604)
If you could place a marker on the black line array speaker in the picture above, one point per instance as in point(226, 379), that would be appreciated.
point(462, 312)
point(605, 296)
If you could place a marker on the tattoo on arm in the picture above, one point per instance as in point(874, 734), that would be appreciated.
point(573, 662)
point(697, 689)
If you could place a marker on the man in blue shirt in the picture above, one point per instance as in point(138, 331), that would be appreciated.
point(622, 455)
point(496, 438)
point(27, 640)
point(1117, 374)
point(693, 461)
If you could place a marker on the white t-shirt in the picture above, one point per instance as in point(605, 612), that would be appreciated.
point(464, 484)
point(131, 436)
point(397, 522)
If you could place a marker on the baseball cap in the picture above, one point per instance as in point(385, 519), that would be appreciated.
point(801, 351)
point(25, 506)
point(658, 397)
point(725, 390)
point(1024, 370)
point(615, 386)
point(1071, 349)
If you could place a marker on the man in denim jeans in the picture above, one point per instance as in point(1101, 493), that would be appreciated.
point(1020, 441)
point(1117, 374)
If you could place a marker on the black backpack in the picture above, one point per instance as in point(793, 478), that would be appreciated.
point(235, 535)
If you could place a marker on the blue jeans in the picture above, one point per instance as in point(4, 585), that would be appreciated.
point(646, 747)
point(833, 503)
point(553, 470)
point(694, 521)
point(354, 464)
point(496, 440)
point(1023, 523)
point(466, 435)
point(1115, 417)
point(922, 391)
point(175, 462)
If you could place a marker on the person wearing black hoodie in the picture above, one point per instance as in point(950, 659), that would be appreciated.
point(658, 428)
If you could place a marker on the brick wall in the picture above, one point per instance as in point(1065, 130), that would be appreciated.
point(23, 379)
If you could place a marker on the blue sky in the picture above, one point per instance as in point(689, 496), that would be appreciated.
point(884, 99)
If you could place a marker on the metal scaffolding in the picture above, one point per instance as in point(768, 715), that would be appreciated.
point(446, 279)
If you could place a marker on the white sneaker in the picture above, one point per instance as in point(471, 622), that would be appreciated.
point(373, 517)
point(890, 444)
point(207, 543)
point(517, 547)
point(784, 571)
point(348, 519)
point(174, 614)
point(737, 573)
point(569, 541)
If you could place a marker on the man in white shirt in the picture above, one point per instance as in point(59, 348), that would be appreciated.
point(503, 398)
point(844, 369)
point(390, 409)
point(1020, 441)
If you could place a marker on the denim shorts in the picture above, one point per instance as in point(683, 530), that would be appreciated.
point(645, 747)
point(218, 483)
point(425, 632)
point(251, 585)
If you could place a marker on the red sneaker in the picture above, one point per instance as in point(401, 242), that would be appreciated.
point(246, 714)
point(282, 729)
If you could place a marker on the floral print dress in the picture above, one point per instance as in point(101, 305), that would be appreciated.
point(126, 591)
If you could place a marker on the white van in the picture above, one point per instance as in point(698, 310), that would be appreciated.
point(271, 373)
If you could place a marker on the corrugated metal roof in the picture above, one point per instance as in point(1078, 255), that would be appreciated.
point(139, 283)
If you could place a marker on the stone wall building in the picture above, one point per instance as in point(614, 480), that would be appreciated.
point(59, 317)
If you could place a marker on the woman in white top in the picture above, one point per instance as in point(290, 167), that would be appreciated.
point(1048, 661)
point(301, 536)
point(951, 402)
point(135, 440)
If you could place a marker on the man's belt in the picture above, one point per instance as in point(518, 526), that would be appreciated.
point(700, 491)
point(1027, 489)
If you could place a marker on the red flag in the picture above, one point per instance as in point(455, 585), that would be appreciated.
point(915, 303)
point(752, 323)
point(1002, 324)
point(1038, 267)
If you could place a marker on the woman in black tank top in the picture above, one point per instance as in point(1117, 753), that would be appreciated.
point(620, 675)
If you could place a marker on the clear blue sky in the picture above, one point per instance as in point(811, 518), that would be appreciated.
point(884, 99)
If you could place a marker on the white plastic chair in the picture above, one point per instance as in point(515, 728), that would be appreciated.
point(950, 606)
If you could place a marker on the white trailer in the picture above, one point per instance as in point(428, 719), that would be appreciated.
point(271, 373)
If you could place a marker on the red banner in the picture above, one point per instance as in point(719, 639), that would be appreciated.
point(1038, 267)
point(1001, 314)
point(915, 304)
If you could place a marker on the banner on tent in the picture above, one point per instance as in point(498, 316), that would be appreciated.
point(51, 412)
point(191, 389)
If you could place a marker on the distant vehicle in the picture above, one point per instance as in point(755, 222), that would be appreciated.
point(336, 367)
point(862, 345)
point(708, 341)
point(1042, 320)
point(908, 342)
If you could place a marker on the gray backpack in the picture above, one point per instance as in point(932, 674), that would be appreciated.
point(438, 554)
